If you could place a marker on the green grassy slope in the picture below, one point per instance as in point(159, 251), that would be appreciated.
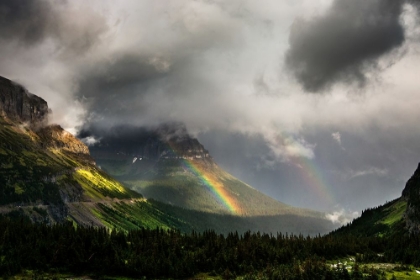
point(25, 169)
point(380, 221)
point(52, 185)
point(172, 181)
point(32, 174)
point(177, 191)
point(49, 184)
point(130, 215)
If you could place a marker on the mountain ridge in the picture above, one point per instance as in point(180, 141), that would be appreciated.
point(17, 104)
point(397, 217)
point(167, 164)
point(50, 176)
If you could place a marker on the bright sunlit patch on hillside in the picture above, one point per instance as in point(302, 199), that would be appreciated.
point(99, 186)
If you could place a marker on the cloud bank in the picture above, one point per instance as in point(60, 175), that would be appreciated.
point(241, 68)
point(346, 43)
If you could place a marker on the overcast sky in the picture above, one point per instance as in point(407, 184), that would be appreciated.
point(314, 102)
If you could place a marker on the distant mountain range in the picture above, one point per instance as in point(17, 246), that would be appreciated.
point(167, 164)
point(49, 175)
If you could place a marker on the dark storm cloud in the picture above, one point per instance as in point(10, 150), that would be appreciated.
point(118, 79)
point(130, 138)
point(414, 2)
point(214, 65)
point(117, 90)
point(345, 43)
point(30, 22)
point(25, 20)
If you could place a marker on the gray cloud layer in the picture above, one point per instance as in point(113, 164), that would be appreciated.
point(30, 22)
point(223, 67)
point(344, 45)
point(25, 20)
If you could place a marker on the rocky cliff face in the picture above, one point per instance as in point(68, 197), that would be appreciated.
point(168, 141)
point(17, 104)
point(54, 136)
point(174, 142)
point(411, 194)
point(45, 167)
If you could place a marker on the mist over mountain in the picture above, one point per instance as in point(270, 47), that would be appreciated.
point(303, 91)
point(209, 117)
point(49, 176)
point(167, 164)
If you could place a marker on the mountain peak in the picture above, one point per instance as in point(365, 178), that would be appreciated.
point(18, 105)
point(172, 130)
point(177, 143)
point(166, 141)
point(48, 175)
point(167, 164)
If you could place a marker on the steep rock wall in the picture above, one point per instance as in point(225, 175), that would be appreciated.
point(17, 104)
point(411, 194)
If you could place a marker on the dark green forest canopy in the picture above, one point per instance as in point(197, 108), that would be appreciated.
point(162, 253)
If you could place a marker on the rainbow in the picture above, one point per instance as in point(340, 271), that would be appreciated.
point(214, 185)
point(211, 182)
point(314, 178)
point(311, 173)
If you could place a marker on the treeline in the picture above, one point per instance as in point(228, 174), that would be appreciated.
point(170, 254)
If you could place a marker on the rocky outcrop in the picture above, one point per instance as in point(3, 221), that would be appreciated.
point(411, 194)
point(17, 104)
point(175, 142)
point(20, 106)
point(54, 136)
point(175, 147)
point(167, 141)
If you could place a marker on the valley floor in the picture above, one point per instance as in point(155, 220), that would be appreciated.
point(385, 271)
